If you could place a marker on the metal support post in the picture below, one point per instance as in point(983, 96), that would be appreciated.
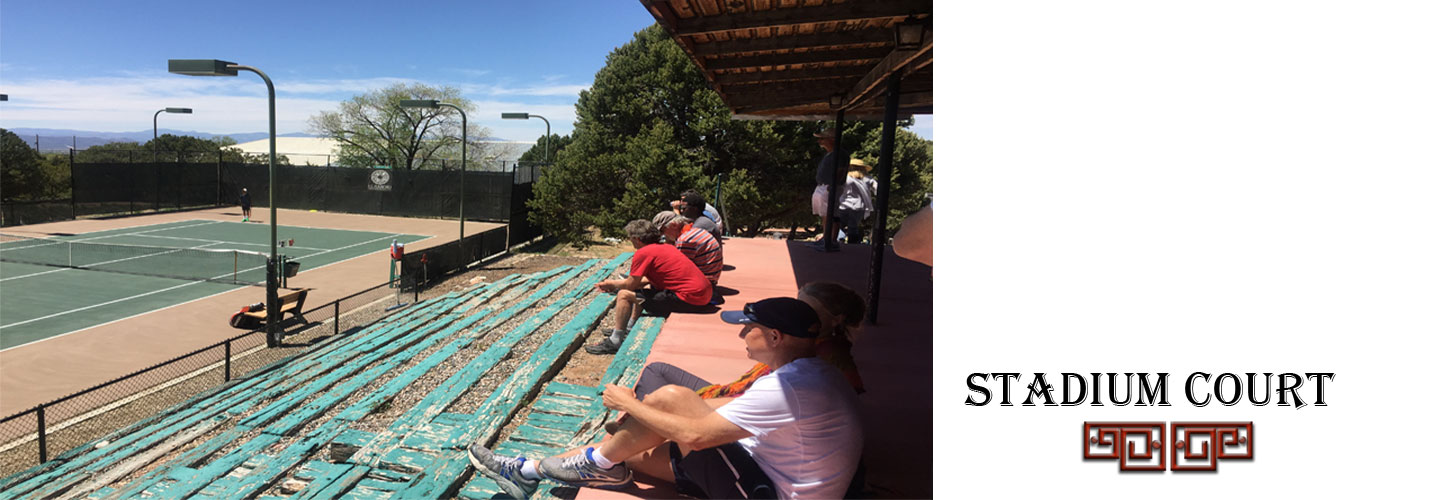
point(838, 171)
point(40, 431)
point(227, 360)
point(883, 194)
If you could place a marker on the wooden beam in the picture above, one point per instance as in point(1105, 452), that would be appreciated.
point(895, 61)
point(855, 10)
point(792, 74)
point(811, 40)
point(828, 86)
point(815, 56)
point(772, 99)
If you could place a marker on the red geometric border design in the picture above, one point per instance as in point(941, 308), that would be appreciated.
point(1220, 435)
point(1111, 435)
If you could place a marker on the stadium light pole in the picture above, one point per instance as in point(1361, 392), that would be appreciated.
point(434, 104)
point(216, 67)
point(155, 120)
point(525, 116)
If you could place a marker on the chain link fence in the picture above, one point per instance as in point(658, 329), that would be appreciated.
point(52, 429)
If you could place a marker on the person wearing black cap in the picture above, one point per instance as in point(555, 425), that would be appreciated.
point(795, 433)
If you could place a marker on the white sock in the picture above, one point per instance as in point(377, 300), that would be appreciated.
point(528, 471)
point(599, 459)
point(617, 336)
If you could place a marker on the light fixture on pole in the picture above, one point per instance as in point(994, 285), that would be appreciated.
point(155, 120)
point(434, 104)
point(216, 67)
point(524, 116)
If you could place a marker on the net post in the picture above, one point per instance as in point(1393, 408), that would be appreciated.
point(40, 430)
point(337, 317)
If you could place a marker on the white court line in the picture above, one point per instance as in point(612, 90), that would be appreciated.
point(107, 262)
point(239, 243)
point(54, 241)
point(167, 307)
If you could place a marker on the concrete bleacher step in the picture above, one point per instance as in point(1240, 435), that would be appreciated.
point(149, 438)
point(565, 416)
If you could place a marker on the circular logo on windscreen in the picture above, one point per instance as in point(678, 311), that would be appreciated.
point(380, 177)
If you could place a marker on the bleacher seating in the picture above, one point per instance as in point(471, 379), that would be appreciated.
point(283, 428)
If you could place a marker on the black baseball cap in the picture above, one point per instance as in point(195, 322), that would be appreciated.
point(790, 316)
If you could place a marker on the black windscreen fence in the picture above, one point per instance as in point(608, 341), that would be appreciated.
point(119, 188)
point(427, 265)
point(122, 188)
point(401, 193)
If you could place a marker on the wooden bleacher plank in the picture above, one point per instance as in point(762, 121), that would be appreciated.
point(572, 431)
point(564, 389)
point(553, 421)
point(196, 424)
point(132, 439)
point(468, 375)
point(523, 383)
point(276, 466)
point(419, 346)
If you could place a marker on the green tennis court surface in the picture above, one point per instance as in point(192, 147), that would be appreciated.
point(143, 270)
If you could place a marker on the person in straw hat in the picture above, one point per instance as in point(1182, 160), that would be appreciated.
point(855, 203)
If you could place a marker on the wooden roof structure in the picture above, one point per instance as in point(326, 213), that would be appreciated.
point(805, 59)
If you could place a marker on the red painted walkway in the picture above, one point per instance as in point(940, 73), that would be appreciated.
point(894, 356)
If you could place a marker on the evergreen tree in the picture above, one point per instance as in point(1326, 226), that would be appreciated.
point(650, 127)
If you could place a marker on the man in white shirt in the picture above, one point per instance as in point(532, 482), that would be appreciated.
point(794, 434)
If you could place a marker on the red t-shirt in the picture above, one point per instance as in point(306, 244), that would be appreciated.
point(668, 269)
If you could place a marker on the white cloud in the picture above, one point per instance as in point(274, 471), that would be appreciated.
point(540, 90)
point(239, 105)
point(487, 114)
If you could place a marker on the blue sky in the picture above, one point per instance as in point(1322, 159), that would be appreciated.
point(101, 65)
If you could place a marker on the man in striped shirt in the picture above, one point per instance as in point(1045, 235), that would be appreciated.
point(695, 243)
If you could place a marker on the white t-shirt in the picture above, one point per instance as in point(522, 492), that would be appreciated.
point(806, 427)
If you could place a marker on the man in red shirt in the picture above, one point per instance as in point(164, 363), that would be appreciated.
point(676, 284)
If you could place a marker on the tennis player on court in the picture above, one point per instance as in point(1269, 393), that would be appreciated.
point(245, 204)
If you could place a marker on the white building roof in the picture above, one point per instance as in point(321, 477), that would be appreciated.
point(300, 150)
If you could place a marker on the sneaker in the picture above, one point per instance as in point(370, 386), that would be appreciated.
point(580, 470)
point(604, 347)
point(504, 471)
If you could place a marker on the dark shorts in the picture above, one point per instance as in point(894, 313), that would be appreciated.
point(663, 302)
point(725, 471)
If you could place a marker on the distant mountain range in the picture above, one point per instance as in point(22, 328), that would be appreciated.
point(52, 139)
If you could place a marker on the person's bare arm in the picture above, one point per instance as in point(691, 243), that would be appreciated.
point(628, 283)
point(913, 240)
point(696, 433)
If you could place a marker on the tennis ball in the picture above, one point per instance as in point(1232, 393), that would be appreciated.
point(312, 210)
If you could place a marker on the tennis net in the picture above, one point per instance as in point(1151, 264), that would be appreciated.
point(223, 266)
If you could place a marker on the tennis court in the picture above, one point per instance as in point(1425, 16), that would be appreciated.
point(66, 283)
